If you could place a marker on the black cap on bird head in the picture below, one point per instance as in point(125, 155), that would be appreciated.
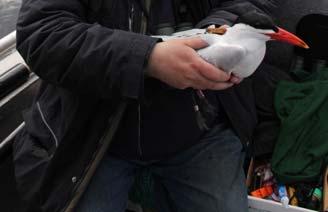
point(257, 20)
point(264, 22)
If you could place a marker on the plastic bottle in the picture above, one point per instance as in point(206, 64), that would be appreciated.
point(283, 195)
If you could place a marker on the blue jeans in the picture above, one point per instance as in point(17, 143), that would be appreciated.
point(207, 177)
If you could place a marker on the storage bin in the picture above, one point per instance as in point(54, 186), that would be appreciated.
point(262, 205)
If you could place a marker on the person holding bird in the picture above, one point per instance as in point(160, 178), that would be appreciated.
point(115, 99)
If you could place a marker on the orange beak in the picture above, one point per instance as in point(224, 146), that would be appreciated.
point(285, 36)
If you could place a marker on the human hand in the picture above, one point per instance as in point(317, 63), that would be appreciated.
point(177, 63)
point(235, 80)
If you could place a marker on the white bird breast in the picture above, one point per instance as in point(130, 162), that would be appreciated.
point(237, 53)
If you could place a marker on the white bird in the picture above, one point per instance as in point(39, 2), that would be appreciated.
point(240, 49)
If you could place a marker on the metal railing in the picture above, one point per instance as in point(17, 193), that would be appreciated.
point(14, 79)
point(7, 142)
point(7, 42)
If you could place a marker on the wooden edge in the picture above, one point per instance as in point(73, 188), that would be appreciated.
point(325, 191)
point(249, 173)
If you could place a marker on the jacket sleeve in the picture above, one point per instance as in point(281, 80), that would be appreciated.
point(62, 48)
point(228, 11)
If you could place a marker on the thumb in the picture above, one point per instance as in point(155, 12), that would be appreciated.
point(196, 43)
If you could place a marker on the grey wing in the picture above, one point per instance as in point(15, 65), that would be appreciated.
point(189, 33)
point(184, 34)
point(223, 56)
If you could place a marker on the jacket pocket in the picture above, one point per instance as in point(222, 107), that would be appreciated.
point(30, 162)
point(44, 121)
point(46, 124)
point(40, 130)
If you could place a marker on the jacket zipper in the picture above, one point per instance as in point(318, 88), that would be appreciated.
point(139, 131)
point(46, 124)
point(131, 22)
point(131, 16)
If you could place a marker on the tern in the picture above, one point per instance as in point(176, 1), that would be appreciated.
point(241, 48)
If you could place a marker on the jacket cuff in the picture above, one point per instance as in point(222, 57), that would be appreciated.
point(132, 68)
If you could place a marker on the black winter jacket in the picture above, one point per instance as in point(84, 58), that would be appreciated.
point(91, 66)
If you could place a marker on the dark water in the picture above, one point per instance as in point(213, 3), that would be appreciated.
point(8, 16)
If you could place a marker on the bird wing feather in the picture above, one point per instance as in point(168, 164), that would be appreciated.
point(184, 34)
point(223, 56)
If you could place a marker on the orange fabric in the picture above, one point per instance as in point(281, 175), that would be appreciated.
point(262, 192)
